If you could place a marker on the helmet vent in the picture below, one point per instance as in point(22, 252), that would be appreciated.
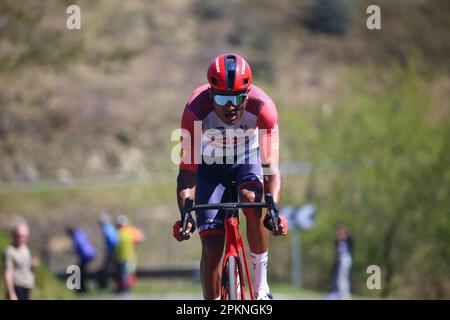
point(230, 67)
point(231, 75)
point(246, 81)
point(214, 80)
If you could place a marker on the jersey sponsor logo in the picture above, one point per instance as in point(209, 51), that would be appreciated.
point(242, 127)
point(215, 145)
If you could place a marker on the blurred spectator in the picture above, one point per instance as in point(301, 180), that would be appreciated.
point(19, 265)
point(85, 250)
point(340, 279)
point(126, 258)
point(111, 237)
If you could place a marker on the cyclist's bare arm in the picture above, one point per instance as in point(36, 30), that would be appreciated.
point(185, 186)
point(272, 182)
point(185, 189)
point(269, 153)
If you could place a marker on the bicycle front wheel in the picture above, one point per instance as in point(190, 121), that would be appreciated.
point(232, 278)
point(232, 284)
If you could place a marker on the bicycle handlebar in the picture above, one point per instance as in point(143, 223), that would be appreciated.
point(269, 204)
point(229, 205)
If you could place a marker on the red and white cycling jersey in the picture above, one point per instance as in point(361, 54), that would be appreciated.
point(260, 114)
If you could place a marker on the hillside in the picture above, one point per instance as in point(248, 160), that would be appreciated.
point(86, 118)
point(125, 76)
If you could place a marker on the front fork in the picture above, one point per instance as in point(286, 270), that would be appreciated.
point(232, 245)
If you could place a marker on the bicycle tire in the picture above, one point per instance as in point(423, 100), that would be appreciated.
point(234, 285)
point(232, 281)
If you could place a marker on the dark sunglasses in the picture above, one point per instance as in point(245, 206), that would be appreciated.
point(235, 100)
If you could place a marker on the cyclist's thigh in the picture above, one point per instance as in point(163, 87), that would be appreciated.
point(250, 176)
point(209, 189)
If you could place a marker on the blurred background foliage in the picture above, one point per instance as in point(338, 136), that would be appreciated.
point(86, 118)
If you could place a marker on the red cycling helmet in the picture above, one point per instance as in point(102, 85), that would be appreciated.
point(229, 72)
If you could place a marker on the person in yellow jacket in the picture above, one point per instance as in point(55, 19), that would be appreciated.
point(126, 257)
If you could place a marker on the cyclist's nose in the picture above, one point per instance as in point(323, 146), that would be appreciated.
point(229, 106)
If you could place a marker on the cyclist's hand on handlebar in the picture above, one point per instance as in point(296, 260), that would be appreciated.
point(177, 230)
point(282, 225)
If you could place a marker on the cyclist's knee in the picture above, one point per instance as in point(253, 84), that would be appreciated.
point(250, 194)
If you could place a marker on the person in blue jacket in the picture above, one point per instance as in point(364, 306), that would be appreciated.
point(111, 239)
point(85, 250)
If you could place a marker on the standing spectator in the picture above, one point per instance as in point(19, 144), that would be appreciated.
point(85, 250)
point(126, 257)
point(341, 283)
point(111, 237)
point(19, 265)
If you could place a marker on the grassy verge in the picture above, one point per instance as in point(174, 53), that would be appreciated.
point(282, 289)
point(158, 288)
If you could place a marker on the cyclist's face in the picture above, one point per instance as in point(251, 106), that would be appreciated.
point(229, 113)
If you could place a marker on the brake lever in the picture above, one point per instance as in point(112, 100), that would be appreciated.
point(188, 204)
point(271, 208)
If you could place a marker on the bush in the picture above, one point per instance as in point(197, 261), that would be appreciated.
point(209, 9)
point(389, 183)
point(331, 16)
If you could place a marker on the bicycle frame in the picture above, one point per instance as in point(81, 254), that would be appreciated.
point(234, 244)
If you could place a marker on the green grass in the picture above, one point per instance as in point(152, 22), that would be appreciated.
point(163, 287)
point(54, 198)
point(286, 289)
point(153, 287)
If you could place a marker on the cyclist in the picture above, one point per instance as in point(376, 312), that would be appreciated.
point(239, 121)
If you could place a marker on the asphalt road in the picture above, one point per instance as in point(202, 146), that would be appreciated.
point(180, 297)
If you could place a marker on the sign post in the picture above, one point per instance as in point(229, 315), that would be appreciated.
point(299, 218)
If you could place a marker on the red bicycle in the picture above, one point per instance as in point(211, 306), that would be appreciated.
point(233, 280)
